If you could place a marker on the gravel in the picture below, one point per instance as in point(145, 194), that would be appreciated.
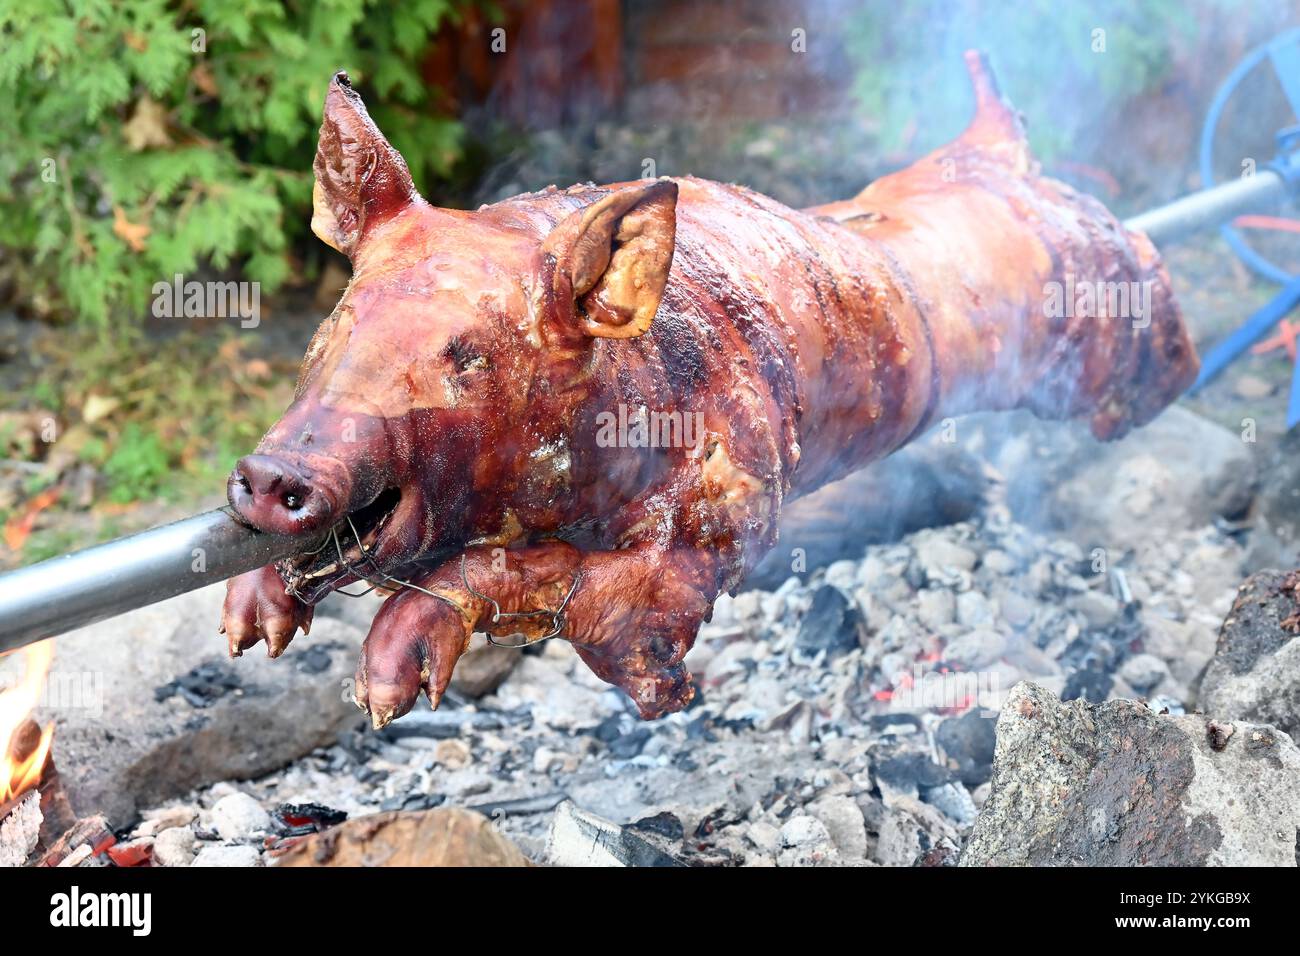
point(842, 718)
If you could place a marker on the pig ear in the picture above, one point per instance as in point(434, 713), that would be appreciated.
point(612, 260)
point(360, 179)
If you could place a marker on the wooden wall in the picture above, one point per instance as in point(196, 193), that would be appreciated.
point(571, 61)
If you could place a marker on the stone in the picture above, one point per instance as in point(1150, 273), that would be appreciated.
point(452, 754)
point(842, 574)
point(998, 562)
point(968, 742)
point(935, 607)
point(974, 610)
point(806, 841)
point(164, 818)
point(909, 831)
point(1143, 671)
point(953, 801)
point(939, 556)
point(729, 660)
point(238, 817)
point(1179, 472)
point(543, 759)
point(832, 624)
point(228, 856)
point(580, 838)
point(1016, 609)
point(121, 748)
point(764, 836)
point(975, 649)
point(1252, 387)
point(1118, 785)
point(1098, 608)
point(441, 837)
point(1186, 646)
point(844, 822)
point(482, 668)
point(174, 846)
point(1255, 672)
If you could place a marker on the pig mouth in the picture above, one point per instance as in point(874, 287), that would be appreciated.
point(346, 553)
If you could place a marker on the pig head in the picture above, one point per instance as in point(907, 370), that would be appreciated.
point(577, 413)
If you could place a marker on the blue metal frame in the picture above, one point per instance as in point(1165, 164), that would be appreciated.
point(1283, 52)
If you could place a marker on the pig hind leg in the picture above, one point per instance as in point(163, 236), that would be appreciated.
point(632, 615)
point(413, 645)
point(420, 632)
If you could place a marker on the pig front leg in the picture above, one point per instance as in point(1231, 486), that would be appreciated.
point(258, 609)
point(632, 614)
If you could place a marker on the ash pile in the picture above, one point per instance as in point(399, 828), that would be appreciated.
point(1072, 675)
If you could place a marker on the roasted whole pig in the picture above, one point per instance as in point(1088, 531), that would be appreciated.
point(579, 412)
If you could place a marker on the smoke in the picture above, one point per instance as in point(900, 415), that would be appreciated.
point(808, 100)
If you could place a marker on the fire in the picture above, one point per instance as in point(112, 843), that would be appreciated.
point(21, 772)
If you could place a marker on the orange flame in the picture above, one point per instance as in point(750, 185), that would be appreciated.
point(20, 775)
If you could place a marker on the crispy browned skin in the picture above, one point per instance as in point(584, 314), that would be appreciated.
point(468, 363)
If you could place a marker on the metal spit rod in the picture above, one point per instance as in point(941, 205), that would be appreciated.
point(1211, 208)
point(68, 592)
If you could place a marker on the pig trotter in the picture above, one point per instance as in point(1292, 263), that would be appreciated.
point(632, 616)
point(257, 608)
point(413, 646)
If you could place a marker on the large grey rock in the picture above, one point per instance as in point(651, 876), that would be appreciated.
point(1118, 785)
point(119, 747)
point(1178, 472)
point(1255, 672)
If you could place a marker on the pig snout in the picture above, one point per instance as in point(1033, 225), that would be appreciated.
point(277, 497)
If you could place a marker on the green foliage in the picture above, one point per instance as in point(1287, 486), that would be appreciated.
point(1049, 60)
point(145, 138)
point(138, 467)
point(189, 407)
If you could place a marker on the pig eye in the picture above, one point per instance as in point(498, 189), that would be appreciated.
point(465, 357)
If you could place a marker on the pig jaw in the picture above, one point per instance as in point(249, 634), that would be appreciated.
point(405, 486)
point(331, 478)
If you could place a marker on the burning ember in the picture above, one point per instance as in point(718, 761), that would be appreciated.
point(27, 747)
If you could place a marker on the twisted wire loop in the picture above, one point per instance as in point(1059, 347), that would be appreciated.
point(378, 578)
point(557, 616)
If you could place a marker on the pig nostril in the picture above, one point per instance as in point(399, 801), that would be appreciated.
point(243, 482)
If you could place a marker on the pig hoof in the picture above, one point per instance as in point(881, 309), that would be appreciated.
point(413, 646)
point(258, 609)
